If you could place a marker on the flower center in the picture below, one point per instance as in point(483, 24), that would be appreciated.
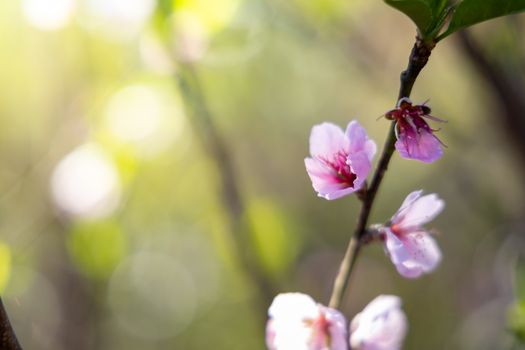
point(341, 170)
point(321, 336)
point(395, 230)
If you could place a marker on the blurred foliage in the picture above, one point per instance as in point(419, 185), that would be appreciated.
point(97, 247)
point(5, 265)
point(517, 311)
point(128, 246)
point(275, 237)
point(517, 321)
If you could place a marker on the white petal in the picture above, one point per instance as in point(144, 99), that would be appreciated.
point(298, 323)
point(293, 306)
point(381, 325)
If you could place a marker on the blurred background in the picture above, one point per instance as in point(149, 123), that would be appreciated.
point(153, 193)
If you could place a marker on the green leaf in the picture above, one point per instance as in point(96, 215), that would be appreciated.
point(470, 12)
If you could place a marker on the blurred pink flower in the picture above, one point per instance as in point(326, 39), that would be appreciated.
point(415, 139)
point(381, 325)
point(340, 160)
point(410, 247)
point(297, 322)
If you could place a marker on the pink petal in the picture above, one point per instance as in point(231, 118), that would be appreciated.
point(416, 212)
point(370, 149)
point(413, 254)
point(338, 329)
point(382, 325)
point(360, 165)
point(359, 140)
point(357, 136)
point(324, 181)
point(407, 203)
point(327, 139)
point(424, 147)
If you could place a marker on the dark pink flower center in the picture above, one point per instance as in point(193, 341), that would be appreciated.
point(321, 336)
point(341, 170)
point(395, 230)
point(412, 125)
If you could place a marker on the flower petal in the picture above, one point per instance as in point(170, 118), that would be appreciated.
point(358, 140)
point(293, 306)
point(286, 329)
point(325, 182)
point(338, 328)
point(327, 139)
point(370, 149)
point(357, 136)
point(382, 325)
point(360, 165)
point(298, 323)
point(424, 146)
point(413, 254)
point(407, 203)
point(418, 211)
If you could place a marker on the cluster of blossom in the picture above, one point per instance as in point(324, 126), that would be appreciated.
point(297, 322)
point(341, 161)
point(339, 165)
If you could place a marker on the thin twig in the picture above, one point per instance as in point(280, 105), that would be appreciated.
point(8, 340)
point(417, 60)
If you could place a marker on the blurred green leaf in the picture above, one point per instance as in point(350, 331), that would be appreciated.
point(516, 315)
point(470, 12)
point(275, 239)
point(517, 320)
point(5, 265)
point(426, 14)
point(97, 247)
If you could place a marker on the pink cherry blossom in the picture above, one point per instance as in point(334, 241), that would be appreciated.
point(297, 322)
point(340, 161)
point(410, 247)
point(382, 325)
point(415, 139)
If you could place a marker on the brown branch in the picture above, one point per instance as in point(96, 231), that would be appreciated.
point(417, 60)
point(8, 340)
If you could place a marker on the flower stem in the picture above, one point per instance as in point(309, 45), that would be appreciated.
point(417, 60)
point(8, 340)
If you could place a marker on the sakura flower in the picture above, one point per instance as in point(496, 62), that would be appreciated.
point(340, 160)
point(415, 139)
point(382, 325)
point(411, 248)
point(297, 322)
